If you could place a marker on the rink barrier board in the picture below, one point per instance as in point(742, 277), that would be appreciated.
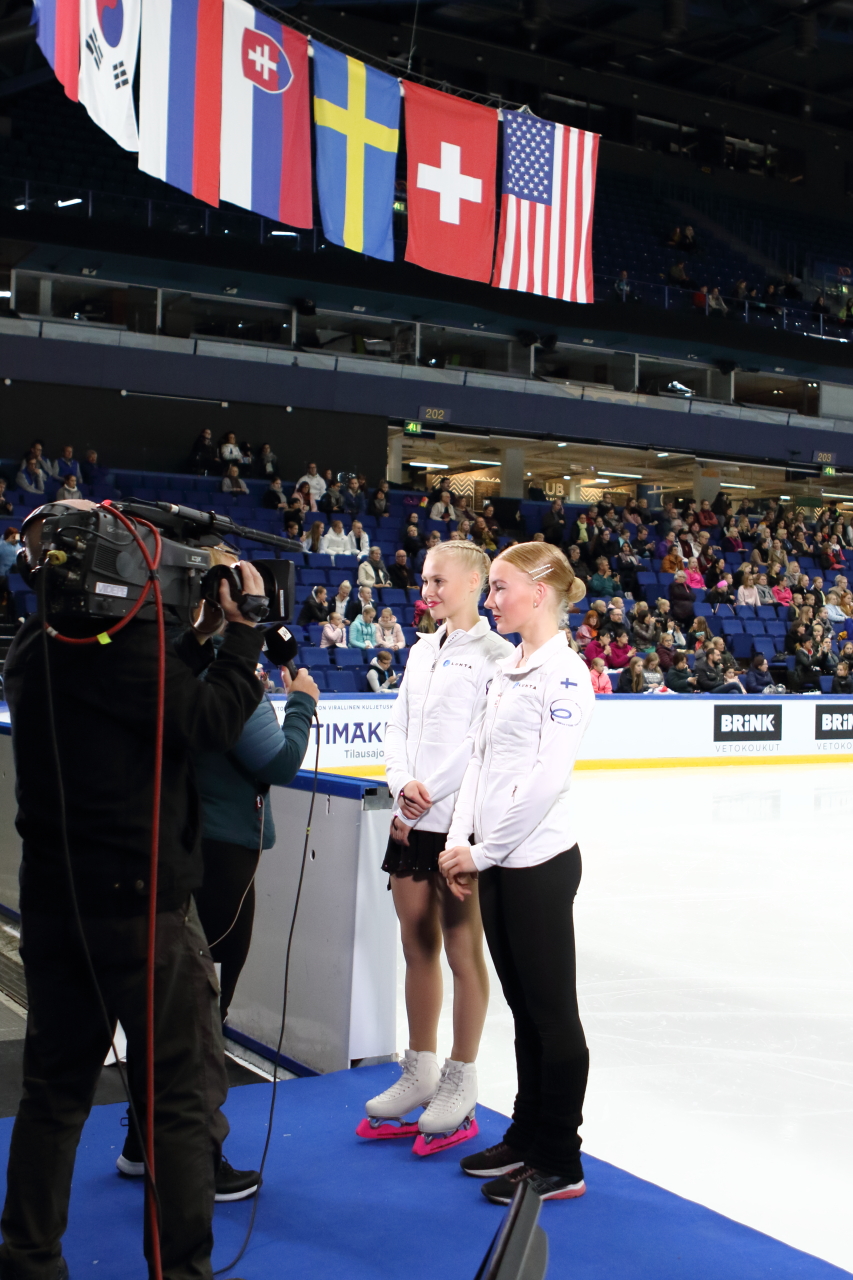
point(678, 731)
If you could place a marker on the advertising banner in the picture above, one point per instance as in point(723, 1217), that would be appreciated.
point(668, 731)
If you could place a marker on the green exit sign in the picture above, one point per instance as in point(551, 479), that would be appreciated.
point(827, 471)
point(412, 428)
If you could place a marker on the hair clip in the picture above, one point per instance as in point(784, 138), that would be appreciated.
point(536, 574)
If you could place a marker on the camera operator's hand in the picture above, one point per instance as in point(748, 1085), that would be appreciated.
point(210, 621)
point(301, 683)
point(253, 585)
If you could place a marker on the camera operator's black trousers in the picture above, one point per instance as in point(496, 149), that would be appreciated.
point(527, 919)
point(226, 908)
point(65, 1047)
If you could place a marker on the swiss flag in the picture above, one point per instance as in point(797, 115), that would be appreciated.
point(451, 146)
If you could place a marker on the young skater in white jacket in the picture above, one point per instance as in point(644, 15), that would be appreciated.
point(513, 827)
point(446, 680)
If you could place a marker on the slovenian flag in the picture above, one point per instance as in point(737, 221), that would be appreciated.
point(265, 157)
point(180, 94)
point(58, 37)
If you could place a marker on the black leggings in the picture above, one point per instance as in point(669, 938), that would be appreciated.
point(228, 869)
point(527, 917)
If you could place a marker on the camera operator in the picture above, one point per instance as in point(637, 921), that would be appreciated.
point(104, 708)
point(237, 822)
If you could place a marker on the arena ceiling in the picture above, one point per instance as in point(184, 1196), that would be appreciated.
point(780, 55)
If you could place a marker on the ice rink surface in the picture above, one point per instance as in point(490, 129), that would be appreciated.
point(715, 974)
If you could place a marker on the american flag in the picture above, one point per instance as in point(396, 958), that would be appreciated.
point(545, 238)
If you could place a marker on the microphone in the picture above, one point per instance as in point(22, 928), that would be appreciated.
point(282, 648)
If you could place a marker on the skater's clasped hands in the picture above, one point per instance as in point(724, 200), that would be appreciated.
point(458, 868)
point(414, 800)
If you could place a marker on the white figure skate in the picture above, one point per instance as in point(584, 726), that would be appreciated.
point(417, 1083)
point(449, 1118)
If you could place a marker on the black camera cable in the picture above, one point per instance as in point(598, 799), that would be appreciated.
point(275, 1081)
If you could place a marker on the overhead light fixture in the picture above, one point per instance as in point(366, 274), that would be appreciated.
point(619, 475)
point(63, 204)
point(5, 293)
point(784, 497)
point(564, 445)
point(431, 466)
point(284, 233)
point(663, 455)
point(848, 496)
point(486, 462)
point(20, 206)
point(728, 484)
point(530, 473)
point(568, 477)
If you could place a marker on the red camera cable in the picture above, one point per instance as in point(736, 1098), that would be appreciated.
point(153, 584)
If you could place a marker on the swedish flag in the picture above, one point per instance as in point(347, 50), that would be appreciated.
point(357, 128)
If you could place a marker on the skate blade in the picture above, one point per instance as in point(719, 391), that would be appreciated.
point(373, 1128)
point(428, 1144)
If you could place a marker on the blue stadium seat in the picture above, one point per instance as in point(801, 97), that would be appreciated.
point(702, 610)
point(741, 646)
point(825, 684)
point(341, 682)
point(744, 611)
point(312, 577)
point(776, 629)
point(321, 560)
point(754, 628)
point(767, 611)
point(393, 595)
point(313, 657)
point(348, 657)
point(732, 626)
point(725, 611)
point(315, 633)
point(318, 675)
point(349, 564)
point(764, 645)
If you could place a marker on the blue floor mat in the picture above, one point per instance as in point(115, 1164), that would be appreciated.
point(335, 1207)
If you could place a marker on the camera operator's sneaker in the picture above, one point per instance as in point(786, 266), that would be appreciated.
point(548, 1186)
point(235, 1184)
point(130, 1163)
point(231, 1184)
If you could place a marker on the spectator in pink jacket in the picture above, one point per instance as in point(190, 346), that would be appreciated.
point(390, 632)
point(782, 594)
point(692, 576)
point(600, 678)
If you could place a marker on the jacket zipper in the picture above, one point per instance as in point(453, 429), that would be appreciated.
point(478, 826)
point(439, 652)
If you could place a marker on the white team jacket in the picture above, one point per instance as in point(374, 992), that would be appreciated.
point(515, 794)
point(442, 696)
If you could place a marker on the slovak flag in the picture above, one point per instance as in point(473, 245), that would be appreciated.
point(58, 37)
point(180, 94)
point(451, 146)
point(265, 157)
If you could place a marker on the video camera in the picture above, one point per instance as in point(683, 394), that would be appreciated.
point(95, 567)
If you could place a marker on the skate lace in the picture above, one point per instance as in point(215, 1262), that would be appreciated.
point(409, 1070)
point(449, 1091)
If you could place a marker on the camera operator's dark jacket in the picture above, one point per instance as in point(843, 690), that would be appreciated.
point(104, 699)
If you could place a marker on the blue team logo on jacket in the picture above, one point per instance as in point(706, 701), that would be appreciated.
point(565, 711)
point(446, 662)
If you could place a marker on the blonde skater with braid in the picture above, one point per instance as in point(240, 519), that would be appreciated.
point(446, 682)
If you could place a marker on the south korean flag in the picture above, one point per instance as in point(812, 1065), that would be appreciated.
point(109, 44)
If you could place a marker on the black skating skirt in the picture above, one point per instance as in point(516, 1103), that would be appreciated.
point(419, 858)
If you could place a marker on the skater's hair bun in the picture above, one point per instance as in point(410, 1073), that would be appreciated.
point(543, 562)
point(470, 557)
